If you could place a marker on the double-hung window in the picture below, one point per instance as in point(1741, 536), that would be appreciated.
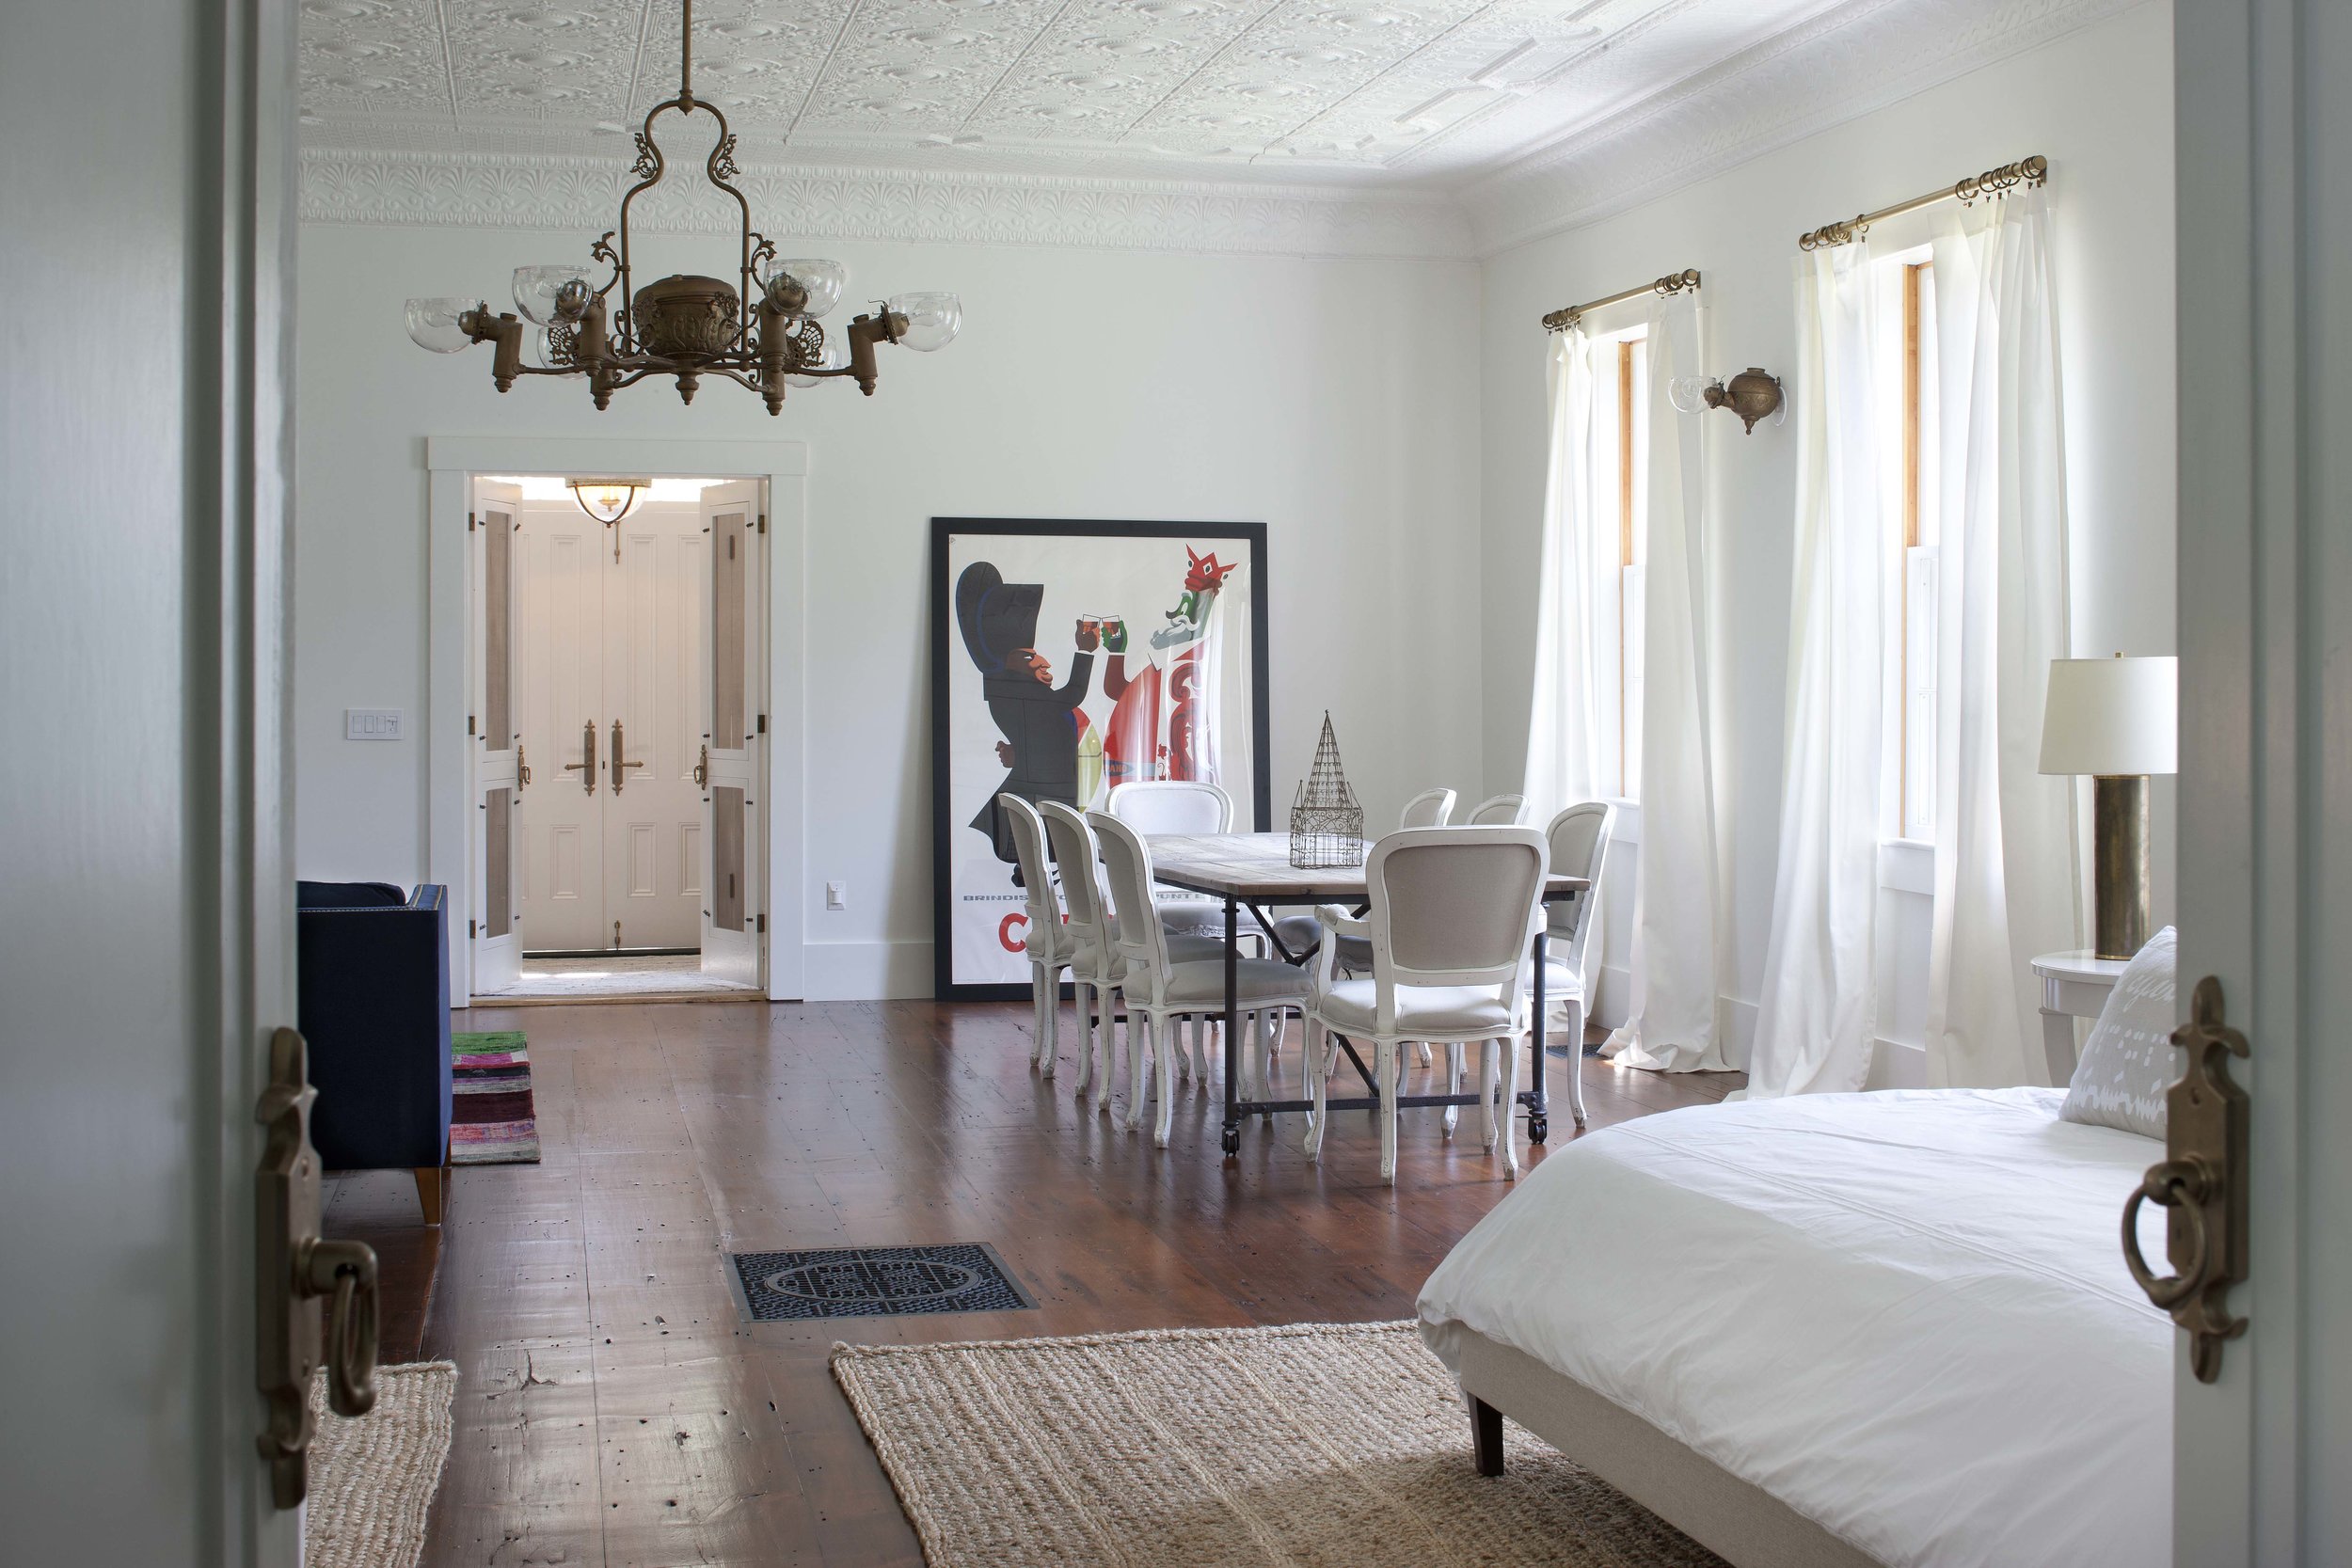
point(1620, 508)
point(1907, 407)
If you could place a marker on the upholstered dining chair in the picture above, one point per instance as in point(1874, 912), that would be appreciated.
point(1301, 934)
point(1499, 811)
point(1578, 843)
point(1164, 987)
point(1095, 967)
point(1049, 943)
point(1453, 911)
point(1429, 809)
point(1177, 806)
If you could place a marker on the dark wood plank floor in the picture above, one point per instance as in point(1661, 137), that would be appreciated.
point(612, 1409)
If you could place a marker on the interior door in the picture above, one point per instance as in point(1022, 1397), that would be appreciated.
point(567, 556)
point(653, 660)
point(734, 900)
point(497, 932)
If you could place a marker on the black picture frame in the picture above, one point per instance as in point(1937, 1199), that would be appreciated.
point(945, 642)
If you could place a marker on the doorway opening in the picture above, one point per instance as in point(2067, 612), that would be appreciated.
point(619, 720)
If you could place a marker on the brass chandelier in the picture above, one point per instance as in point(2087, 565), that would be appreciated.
point(764, 335)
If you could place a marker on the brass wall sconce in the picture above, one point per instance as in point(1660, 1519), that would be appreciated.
point(1754, 394)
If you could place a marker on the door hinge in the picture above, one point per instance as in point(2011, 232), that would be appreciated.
point(469, 930)
point(762, 923)
point(469, 723)
point(763, 522)
point(763, 723)
point(469, 522)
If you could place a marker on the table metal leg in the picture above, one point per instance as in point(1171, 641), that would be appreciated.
point(1232, 1028)
point(1538, 1122)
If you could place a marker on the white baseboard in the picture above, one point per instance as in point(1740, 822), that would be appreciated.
point(867, 971)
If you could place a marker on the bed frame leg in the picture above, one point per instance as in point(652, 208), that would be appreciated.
point(1486, 1436)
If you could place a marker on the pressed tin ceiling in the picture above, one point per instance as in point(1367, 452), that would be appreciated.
point(1405, 127)
point(1418, 91)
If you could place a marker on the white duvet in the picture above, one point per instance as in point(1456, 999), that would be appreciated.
point(1904, 1314)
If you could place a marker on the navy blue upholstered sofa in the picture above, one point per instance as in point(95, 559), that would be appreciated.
point(373, 972)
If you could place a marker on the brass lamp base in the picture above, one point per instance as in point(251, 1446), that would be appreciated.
point(2120, 865)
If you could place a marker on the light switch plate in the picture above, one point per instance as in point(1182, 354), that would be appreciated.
point(836, 895)
point(371, 723)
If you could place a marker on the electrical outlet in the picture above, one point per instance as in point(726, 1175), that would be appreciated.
point(371, 723)
point(836, 895)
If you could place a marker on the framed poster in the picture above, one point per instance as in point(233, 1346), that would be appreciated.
point(1067, 659)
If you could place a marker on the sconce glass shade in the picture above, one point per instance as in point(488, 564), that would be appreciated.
point(539, 349)
point(608, 501)
point(823, 279)
point(2116, 717)
point(932, 320)
point(1687, 393)
point(830, 359)
point(433, 322)
point(535, 290)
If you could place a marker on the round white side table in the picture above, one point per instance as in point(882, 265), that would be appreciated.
point(2074, 985)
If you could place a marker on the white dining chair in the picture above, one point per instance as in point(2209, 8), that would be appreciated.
point(1578, 843)
point(1429, 809)
point(1499, 811)
point(1048, 943)
point(1453, 912)
point(1192, 806)
point(1166, 988)
point(1302, 934)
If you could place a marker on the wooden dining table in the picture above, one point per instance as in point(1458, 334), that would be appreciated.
point(1253, 871)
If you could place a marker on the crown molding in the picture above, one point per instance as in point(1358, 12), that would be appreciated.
point(1803, 82)
point(581, 193)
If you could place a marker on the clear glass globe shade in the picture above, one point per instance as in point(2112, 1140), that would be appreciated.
point(607, 500)
point(823, 279)
point(1688, 392)
point(830, 359)
point(932, 320)
point(535, 288)
point(433, 322)
point(539, 348)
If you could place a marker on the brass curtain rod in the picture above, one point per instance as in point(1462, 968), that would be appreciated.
point(1992, 182)
point(1673, 283)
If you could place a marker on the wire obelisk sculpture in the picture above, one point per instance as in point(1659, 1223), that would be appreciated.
point(1327, 824)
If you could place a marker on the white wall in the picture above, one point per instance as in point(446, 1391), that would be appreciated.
point(1334, 400)
point(2098, 105)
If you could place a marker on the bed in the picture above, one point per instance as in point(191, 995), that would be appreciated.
point(1889, 1328)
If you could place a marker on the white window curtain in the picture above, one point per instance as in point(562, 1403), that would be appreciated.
point(1817, 1019)
point(1680, 904)
point(2008, 880)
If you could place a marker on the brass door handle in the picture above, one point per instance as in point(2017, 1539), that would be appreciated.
point(522, 769)
point(586, 765)
point(620, 769)
point(702, 768)
point(294, 1267)
point(2201, 1184)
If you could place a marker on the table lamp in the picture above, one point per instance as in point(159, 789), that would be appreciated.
point(2117, 720)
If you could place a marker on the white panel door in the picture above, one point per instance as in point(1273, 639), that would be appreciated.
point(734, 898)
point(653, 660)
point(497, 933)
point(567, 554)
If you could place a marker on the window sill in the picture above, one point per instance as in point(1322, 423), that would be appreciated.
point(1907, 865)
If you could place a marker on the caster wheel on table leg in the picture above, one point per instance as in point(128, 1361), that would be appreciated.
point(1538, 1129)
point(1232, 1140)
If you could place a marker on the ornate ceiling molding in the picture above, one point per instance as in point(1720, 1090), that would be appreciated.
point(578, 194)
point(1803, 82)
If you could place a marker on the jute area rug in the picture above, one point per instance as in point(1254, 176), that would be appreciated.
point(373, 1477)
point(1334, 1444)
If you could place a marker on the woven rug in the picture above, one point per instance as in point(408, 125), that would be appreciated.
point(492, 1119)
point(373, 1478)
point(1329, 1443)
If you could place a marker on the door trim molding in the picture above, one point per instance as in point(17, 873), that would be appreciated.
point(450, 461)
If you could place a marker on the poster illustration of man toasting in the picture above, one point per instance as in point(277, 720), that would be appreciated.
point(1071, 660)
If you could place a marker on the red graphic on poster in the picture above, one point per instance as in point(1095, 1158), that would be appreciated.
point(1159, 728)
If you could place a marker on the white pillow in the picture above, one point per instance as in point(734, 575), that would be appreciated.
point(2129, 1060)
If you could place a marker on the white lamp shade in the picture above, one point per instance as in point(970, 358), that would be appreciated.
point(2115, 717)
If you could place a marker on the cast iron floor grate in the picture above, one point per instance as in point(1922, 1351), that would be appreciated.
point(875, 1281)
